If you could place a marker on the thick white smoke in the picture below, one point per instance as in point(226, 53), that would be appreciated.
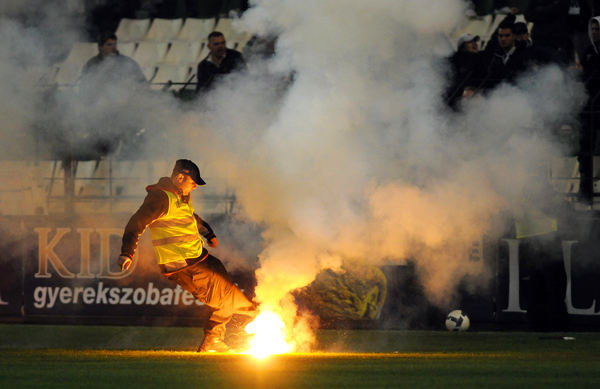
point(361, 160)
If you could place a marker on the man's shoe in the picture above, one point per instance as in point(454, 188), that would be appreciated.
point(213, 345)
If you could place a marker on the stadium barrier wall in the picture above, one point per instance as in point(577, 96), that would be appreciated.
point(57, 268)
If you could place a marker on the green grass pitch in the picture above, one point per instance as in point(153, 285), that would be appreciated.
point(42, 356)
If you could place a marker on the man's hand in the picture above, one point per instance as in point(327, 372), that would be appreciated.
point(124, 262)
point(213, 242)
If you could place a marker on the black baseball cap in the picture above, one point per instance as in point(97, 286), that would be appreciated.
point(185, 166)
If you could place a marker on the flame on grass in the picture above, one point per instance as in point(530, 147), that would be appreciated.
point(270, 335)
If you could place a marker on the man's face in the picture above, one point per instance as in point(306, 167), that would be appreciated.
point(524, 36)
point(472, 47)
point(217, 47)
point(108, 48)
point(506, 38)
point(595, 31)
point(185, 183)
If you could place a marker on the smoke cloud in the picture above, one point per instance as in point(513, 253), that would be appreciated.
point(361, 160)
point(340, 146)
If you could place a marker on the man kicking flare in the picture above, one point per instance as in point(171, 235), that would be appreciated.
point(175, 230)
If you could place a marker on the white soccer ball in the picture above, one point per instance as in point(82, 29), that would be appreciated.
point(457, 321)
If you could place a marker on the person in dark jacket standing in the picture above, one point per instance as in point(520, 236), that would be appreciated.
point(175, 230)
point(550, 30)
point(220, 61)
point(510, 59)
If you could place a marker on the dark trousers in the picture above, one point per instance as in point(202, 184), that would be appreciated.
point(209, 282)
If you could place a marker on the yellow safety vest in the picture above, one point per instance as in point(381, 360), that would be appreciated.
point(175, 236)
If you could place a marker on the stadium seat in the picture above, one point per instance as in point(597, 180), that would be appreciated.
point(81, 52)
point(173, 73)
point(196, 30)
point(224, 25)
point(183, 53)
point(127, 48)
point(68, 74)
point(132, 30)
point(149, 71)
point(164, 30)
point(241, 43)
point(193, 72)
point(150, 53)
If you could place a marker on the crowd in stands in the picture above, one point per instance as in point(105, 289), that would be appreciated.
point(563, 33)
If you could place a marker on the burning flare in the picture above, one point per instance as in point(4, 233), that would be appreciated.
point(269, 335)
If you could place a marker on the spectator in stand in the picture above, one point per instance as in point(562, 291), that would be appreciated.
point(590, 61)
point(219, 61)
point(522, 33)
point(492, 44)
point(549, 34)
point(109, 68)
point(466, 66)
point(580, 13)
point(510, 59)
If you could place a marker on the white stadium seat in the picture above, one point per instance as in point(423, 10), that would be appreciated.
point(196, 29)
point(164, 30)
point(150, 53)
point(193, 72)
point(132, 30)
point(81, 52)
point(225, 25)
point(149, 71)
point(173, 73)
point(68, 74)
point(183, 53)
point(126, 48)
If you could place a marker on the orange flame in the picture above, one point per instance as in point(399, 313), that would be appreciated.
point(269, 335)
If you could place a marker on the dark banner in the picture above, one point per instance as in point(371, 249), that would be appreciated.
point(59, 267)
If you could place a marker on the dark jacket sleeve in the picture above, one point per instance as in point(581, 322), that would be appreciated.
point(204, 228)
point(155, 205)
point(205, 75)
